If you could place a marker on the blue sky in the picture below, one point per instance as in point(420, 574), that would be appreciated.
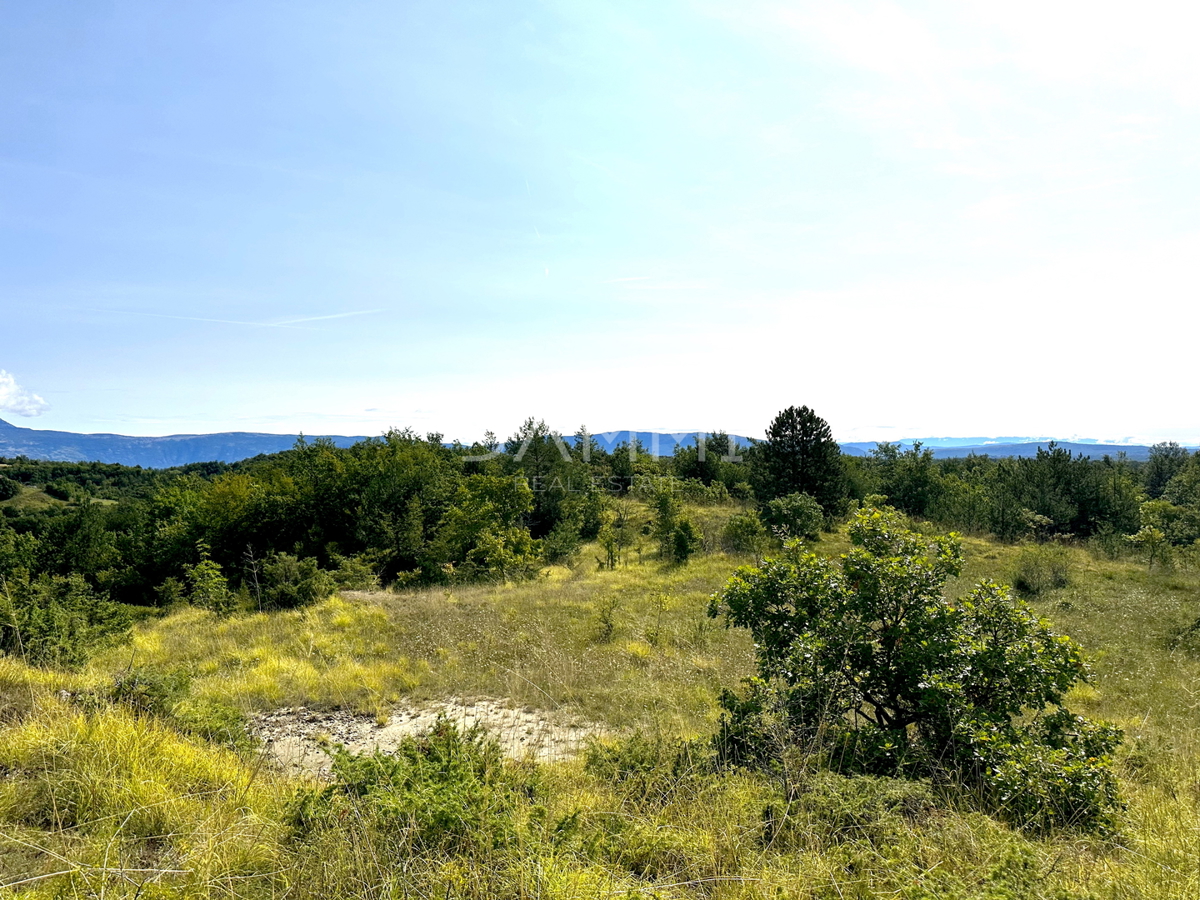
point(957, 218)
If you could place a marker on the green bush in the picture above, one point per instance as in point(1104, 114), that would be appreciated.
point(355, 573)
point(8, 488)
point(744, 533)
point(289, 582)
point(61, 490)
point(685, 540)
point(57, 620)
point(207, 586)
point(561, 545)
point(865, 665)
point(446, 791)
point(1040, 568)
point(794, 516)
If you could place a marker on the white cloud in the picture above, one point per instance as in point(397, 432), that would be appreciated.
point(1021, 88)
point(15, 399)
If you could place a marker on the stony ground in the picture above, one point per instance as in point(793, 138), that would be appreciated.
point(296, 738)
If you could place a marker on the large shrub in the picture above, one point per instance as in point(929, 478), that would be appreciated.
point(794, 516)
point(56, 620)
point(865, 662)
point(290, 581)
point(8, 488)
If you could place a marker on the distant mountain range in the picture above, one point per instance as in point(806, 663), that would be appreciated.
point(148, 452)
point(231, 446)
point(1005, 447)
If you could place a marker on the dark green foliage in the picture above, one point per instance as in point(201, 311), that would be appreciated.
point(793, 516)
point(1184, 488)
point(8, 488)
point(81, 542)
point(801, 456)
point(561, 545)
point(355, 573)
point(1166, 461)
point(289, 581)
point(866, 664)
point(17, 551)
point(910, 479)
point(57, 620)
point(745, 533)
point(61, 490)
point(710, 460)
point(666, 508)
point(446, 791)
point(685, 540)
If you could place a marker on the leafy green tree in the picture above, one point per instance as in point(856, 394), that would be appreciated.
point(909, 478)
point(543, 458)
point(709, 459)
point(962, 503)
point(79, 542)
point(1167, 459)
point(207, 586)
point(617, 534)
point(8, 488)
point(18, 552)
point(482, 533)
point(801, 456)
point(1180, 525)
point(1184, 488)
point(866, 662)
point(1151, 543)
point(793, 516)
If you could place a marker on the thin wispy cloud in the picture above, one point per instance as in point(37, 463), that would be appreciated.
point(281, 323)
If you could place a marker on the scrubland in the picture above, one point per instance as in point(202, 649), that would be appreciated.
point(134, 776)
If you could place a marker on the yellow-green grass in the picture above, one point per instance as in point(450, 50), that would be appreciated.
point(632, 649)
point(632, 646)
point(32, 499)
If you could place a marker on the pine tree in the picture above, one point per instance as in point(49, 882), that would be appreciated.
point(801, 456)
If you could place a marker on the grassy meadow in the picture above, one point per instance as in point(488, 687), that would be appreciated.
point(156, 791)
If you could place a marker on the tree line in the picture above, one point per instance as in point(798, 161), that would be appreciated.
point(283, 529)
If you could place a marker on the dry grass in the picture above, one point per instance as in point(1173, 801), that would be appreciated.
point(103, 793)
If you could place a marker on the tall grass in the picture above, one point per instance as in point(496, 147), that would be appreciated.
point(119, 802)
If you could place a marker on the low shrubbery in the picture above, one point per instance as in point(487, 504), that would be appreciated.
point(867, 667)
point(446, 791)
point(56, 619)
point(1040, 568)
point(794, 516)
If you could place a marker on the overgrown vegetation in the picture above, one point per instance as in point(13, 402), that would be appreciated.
point(891, 740)
point(867, 666)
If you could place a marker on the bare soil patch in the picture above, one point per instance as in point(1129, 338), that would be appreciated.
point(297, 738)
